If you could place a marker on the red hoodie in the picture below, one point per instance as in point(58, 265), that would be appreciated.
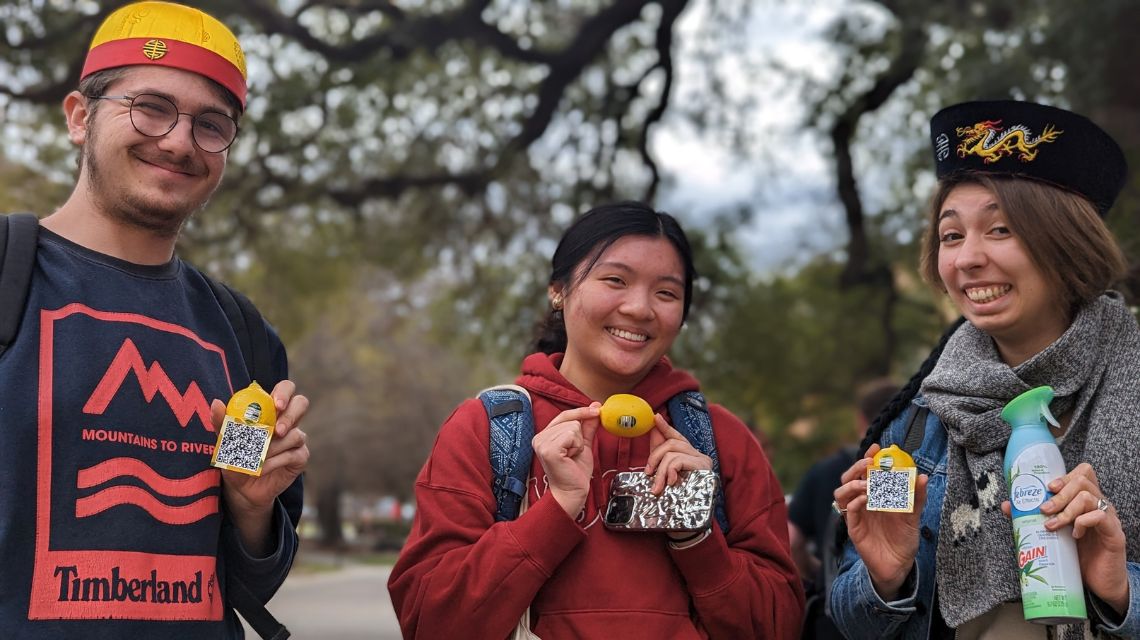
point(462, 575)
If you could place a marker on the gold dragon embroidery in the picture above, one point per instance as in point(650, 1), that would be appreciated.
point(985, 139)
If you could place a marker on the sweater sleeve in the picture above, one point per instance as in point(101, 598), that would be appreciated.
point(461, 574)
point(263, 576)
point(744, 584)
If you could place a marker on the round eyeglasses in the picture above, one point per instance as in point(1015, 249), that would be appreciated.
point(156, 116)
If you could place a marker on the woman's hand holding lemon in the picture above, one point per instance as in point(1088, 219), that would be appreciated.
point(628, 416)
point(565, 448)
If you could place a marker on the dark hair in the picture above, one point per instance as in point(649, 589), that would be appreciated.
point(1060, 230)
point(588, 238)
point(97, 84)
point(902, 399)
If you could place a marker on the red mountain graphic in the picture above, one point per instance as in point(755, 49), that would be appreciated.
point(151, 380)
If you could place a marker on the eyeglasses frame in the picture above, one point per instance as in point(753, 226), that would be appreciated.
point(179, 114)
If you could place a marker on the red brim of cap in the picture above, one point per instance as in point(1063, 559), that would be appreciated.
point(177, 55)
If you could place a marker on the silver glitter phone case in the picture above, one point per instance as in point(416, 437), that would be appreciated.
point(685, 507)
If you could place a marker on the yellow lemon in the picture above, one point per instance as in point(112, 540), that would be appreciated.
point(626, 415)
point(252, 405)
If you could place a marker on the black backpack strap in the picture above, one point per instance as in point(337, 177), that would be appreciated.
point(18, 233)
point(254, 612)
point(511, 418)
point(915, 430)
point(690, 414)
point(253, 340)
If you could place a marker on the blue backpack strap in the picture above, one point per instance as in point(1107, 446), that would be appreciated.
point(18, 233)
point(690, 414)
point(512, 427)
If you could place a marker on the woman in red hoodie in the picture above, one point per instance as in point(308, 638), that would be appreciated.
point(619, 292)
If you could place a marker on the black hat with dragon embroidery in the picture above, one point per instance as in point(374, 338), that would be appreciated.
point(1029, 140)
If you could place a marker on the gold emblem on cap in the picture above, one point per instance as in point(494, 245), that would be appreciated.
point(154, 49)
point(987, 141)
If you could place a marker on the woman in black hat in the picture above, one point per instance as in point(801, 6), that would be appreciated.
point(1017, 242)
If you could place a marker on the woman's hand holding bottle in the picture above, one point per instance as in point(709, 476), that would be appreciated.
point(1079, 501)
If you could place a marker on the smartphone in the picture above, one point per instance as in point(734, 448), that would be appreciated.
point(688, 506)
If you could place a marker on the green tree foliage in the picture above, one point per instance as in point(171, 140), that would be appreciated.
point(808, 340)
point(425, 135)
point(446, 143)
point(381, 382)
point(792, 350)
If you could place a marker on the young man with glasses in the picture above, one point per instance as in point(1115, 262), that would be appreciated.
point(113, 524)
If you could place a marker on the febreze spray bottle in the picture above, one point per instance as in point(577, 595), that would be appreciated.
point(1051, 587)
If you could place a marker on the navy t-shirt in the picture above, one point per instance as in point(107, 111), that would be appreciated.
point(110, 514)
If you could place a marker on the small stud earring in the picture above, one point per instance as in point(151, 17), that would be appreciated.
point(556, 302)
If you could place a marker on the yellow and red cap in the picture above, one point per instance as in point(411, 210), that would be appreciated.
point(169, 35)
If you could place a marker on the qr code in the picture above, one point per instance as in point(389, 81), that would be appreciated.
point(241, 446)
point(890, 490)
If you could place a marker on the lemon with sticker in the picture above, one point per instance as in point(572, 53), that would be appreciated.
point(252, 405)
point(243, 439)
point(626, 415)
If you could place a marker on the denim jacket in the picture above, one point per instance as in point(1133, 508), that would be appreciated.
point(858, 610)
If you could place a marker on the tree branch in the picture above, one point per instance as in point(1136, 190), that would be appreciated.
point(423, 33)
point(902, 69)
point(592, 38)
point(671, 9)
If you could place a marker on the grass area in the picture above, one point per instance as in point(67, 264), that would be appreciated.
point(379, 557)
point(310, 561)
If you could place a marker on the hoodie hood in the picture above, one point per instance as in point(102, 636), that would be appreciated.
point(540, 377)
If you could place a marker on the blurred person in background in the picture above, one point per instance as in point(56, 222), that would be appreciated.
point(811, 520)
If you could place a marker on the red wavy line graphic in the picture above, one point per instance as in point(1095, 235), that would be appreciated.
point(117, 496)
point(152, 380)
point(133, 468)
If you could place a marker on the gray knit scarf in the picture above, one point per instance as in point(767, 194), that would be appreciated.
point(1094, 368)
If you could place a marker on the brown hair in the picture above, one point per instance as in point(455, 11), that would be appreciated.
point(1060, 229)
point(96, 84)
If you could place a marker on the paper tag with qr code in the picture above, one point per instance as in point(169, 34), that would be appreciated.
point(890, 481)
point(242, 446)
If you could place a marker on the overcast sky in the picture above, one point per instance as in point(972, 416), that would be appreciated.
point(787, 176)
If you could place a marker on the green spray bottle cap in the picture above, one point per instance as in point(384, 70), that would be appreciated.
point(1030, 408)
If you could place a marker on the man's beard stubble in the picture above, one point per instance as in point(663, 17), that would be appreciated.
point(129, 208)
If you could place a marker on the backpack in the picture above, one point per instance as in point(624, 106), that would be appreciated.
point(18, 242)
point(511, 419)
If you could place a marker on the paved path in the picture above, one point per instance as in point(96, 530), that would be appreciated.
point(350, 603)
